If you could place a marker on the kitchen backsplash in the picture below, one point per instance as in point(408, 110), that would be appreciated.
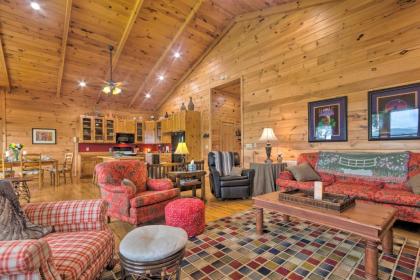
point(105, 147)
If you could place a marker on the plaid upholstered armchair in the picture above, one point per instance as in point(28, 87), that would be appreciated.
point(80, 246)
point(143, 202)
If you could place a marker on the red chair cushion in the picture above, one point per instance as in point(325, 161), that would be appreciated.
point(152, 197)
point(186, 213)
point(159, 184)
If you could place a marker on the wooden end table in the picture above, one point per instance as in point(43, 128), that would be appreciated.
point(373, 222)
point(177, 176)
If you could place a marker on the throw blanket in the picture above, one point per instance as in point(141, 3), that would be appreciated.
point(224, 162)
point(387, 167)
point(14, 224)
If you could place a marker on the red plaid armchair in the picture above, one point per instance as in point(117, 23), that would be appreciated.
point(145, 203)
point(80, 247)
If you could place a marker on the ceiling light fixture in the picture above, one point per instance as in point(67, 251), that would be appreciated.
point(177, 55)
point(82, 84)
point(111, 87)
point(148, 95)
point(35, 6)
point(161, 77)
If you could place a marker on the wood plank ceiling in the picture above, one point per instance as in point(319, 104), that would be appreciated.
point(145, 34)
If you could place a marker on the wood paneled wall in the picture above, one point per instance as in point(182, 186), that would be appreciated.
point(287, 60)
point(226, 107)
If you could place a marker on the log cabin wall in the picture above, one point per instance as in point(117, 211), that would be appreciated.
point(289, 59)
point(23, 110)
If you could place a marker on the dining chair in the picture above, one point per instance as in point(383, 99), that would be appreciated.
point(6, 168)
point(160, 170)
point(64, 169)
point(31, 167)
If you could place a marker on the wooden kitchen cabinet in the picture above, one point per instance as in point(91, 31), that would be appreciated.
point(86, 129)
point(125, 126)
point(139, 132)
point(109, 130)
point(98, 130)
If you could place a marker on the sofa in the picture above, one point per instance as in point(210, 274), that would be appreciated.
point(398, 196)
point(136, 206)
point(79, 248)
point(224, 185)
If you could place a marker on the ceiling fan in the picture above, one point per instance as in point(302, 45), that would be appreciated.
point(111, 87)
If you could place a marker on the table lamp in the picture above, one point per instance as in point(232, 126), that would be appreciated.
point(267, 136)
point(182, 150)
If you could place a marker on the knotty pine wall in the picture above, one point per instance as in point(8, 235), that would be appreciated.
point(287, 60)
point(22, 110)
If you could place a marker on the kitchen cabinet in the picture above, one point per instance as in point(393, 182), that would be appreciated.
point(149, 132)
point(109, 130)
point(86, 129)
point(125, 126)
point(88, 161)
point(139, 132)
point(99, 129)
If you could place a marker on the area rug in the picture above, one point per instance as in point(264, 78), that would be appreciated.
point(230, 249)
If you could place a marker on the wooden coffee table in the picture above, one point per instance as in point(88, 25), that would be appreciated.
point(373, 222)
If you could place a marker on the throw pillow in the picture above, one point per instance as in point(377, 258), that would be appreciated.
point(236, 171)
point(159, 184)
point(14, 225)
point(414, 184)
point(304, 173)
point(129, 184)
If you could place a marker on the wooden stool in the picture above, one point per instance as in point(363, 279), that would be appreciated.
point(153, 252)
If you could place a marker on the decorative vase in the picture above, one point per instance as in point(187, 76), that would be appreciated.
point(166, 115)
point(16, 155)
point(183, 108)
point(191, 105)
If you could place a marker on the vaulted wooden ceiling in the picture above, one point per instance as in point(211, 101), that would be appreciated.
point(66, 41)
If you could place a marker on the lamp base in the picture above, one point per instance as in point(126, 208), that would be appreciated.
point(268, 153)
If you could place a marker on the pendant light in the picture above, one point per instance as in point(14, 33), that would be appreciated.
point(111, 87)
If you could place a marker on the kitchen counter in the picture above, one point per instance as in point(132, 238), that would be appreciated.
point(111, 158)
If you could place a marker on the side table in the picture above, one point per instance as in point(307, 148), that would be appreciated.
point(265, 176)
point(197, 179)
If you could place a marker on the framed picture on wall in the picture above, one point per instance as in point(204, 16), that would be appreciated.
point(44, 136)
point(394, 113)
point(327, 120)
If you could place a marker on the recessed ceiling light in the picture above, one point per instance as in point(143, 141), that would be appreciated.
point(35, 6)
point(148, 95)
point(82, 84)
point(161, 77)
point(177, 54)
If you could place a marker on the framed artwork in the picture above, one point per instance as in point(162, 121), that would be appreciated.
point(394, 113)
point(44, 136)
point(327, 120)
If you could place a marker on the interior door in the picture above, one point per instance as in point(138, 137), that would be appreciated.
point(227, 137)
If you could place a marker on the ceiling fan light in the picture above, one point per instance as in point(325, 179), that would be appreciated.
point(106, 89)
point(116, 91)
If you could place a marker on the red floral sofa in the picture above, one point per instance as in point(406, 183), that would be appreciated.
point(138, 206)
point(393, 195)
point(79, 248)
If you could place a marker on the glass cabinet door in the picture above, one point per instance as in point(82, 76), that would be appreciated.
point(139, 132)
point(87, 129)
point(110, 131)
point(99, 129)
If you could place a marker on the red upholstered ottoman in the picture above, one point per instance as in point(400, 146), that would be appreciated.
point(186, 213)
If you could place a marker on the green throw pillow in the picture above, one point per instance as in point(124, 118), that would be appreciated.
point(304, 173)
point(414, 184)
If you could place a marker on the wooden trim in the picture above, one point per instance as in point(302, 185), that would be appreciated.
point(157, 65)
point(3, 67)
point(283, 8)
point(3, 119)
point(197, 63)
point(133, 17)
point(64, 46)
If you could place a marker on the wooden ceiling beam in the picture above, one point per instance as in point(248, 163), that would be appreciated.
point(282, 8)
point(65, 36)
point(197, 62)
point(3, 67)
point(116, 56)
point(157, 65)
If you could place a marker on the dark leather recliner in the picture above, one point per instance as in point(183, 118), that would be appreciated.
point(225, 186)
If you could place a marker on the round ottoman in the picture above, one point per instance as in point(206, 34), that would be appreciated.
point(153, 251)
point(186, 213)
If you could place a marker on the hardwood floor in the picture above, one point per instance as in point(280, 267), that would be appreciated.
point(215, 209)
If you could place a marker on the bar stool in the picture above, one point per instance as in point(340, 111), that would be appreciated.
point(153, 252)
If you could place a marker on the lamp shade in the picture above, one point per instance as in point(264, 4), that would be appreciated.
point(181, 149)
point(268, 135)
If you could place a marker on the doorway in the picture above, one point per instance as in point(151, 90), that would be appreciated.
point(226, 117)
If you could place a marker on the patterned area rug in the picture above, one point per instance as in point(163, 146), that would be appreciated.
point(230, 249)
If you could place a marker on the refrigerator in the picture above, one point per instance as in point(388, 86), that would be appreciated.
point(177, 137)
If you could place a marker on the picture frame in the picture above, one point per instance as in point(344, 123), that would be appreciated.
point(45, 136)
point(327, 120)
point(393, 113)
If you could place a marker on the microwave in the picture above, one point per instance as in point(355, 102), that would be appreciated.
point(125, 138)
